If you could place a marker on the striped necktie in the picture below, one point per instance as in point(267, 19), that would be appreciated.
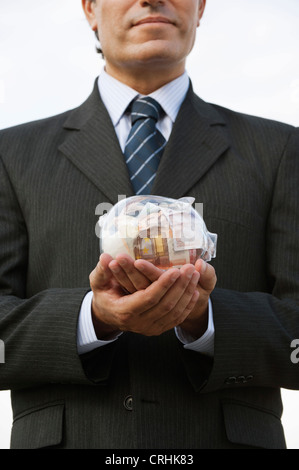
point(145, 144)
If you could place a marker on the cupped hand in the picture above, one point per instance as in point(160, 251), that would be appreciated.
point(154, 302)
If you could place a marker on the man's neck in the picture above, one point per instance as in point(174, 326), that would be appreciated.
point(145, 81)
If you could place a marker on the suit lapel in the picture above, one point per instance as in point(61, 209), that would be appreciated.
point(196, 142)
point(92, 146)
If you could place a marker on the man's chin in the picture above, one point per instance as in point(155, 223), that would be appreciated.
point(155, 52)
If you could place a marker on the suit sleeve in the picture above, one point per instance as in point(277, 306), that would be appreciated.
point(39, 333)
point(254, 330)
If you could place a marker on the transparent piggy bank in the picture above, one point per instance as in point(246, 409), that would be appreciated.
point(167, 232)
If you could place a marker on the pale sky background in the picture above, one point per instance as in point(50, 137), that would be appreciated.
point(245, 58)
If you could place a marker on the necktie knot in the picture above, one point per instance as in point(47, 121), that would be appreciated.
point(145, 108)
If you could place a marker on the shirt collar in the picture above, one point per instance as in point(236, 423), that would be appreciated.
point(117, 96)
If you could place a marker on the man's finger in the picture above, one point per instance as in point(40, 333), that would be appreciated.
point(101, 275)
point(207, 273)
point(121, 276)
point(149, 270)
point(174, 306)
point(180, 294)
point(138, 279)
point(141, 301)
point(105, 259)
point(127, 275)
point(188, 294)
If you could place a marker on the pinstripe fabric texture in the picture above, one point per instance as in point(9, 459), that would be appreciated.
point(53, 174)
point(145, 144)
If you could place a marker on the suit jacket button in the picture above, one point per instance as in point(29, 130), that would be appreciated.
point(231, 381)
point(128, 403)
point(241, 379)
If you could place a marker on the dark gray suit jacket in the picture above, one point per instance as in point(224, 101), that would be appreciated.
point(53, 175)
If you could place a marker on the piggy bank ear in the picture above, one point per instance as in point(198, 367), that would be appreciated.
point(188, 200)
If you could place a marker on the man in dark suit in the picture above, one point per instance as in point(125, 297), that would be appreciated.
point(95, 368)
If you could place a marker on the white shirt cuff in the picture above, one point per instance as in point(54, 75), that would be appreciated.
point(87, 340)
point(205, 344)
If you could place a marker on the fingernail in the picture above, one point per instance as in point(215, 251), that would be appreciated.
point(122, 262)
point(190, 274)
point(203, 267)
point(114, 268)
point(140, 267)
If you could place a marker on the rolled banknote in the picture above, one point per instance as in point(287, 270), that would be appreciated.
point(167, 232)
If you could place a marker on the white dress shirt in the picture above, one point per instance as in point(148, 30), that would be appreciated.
point(116, 96)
